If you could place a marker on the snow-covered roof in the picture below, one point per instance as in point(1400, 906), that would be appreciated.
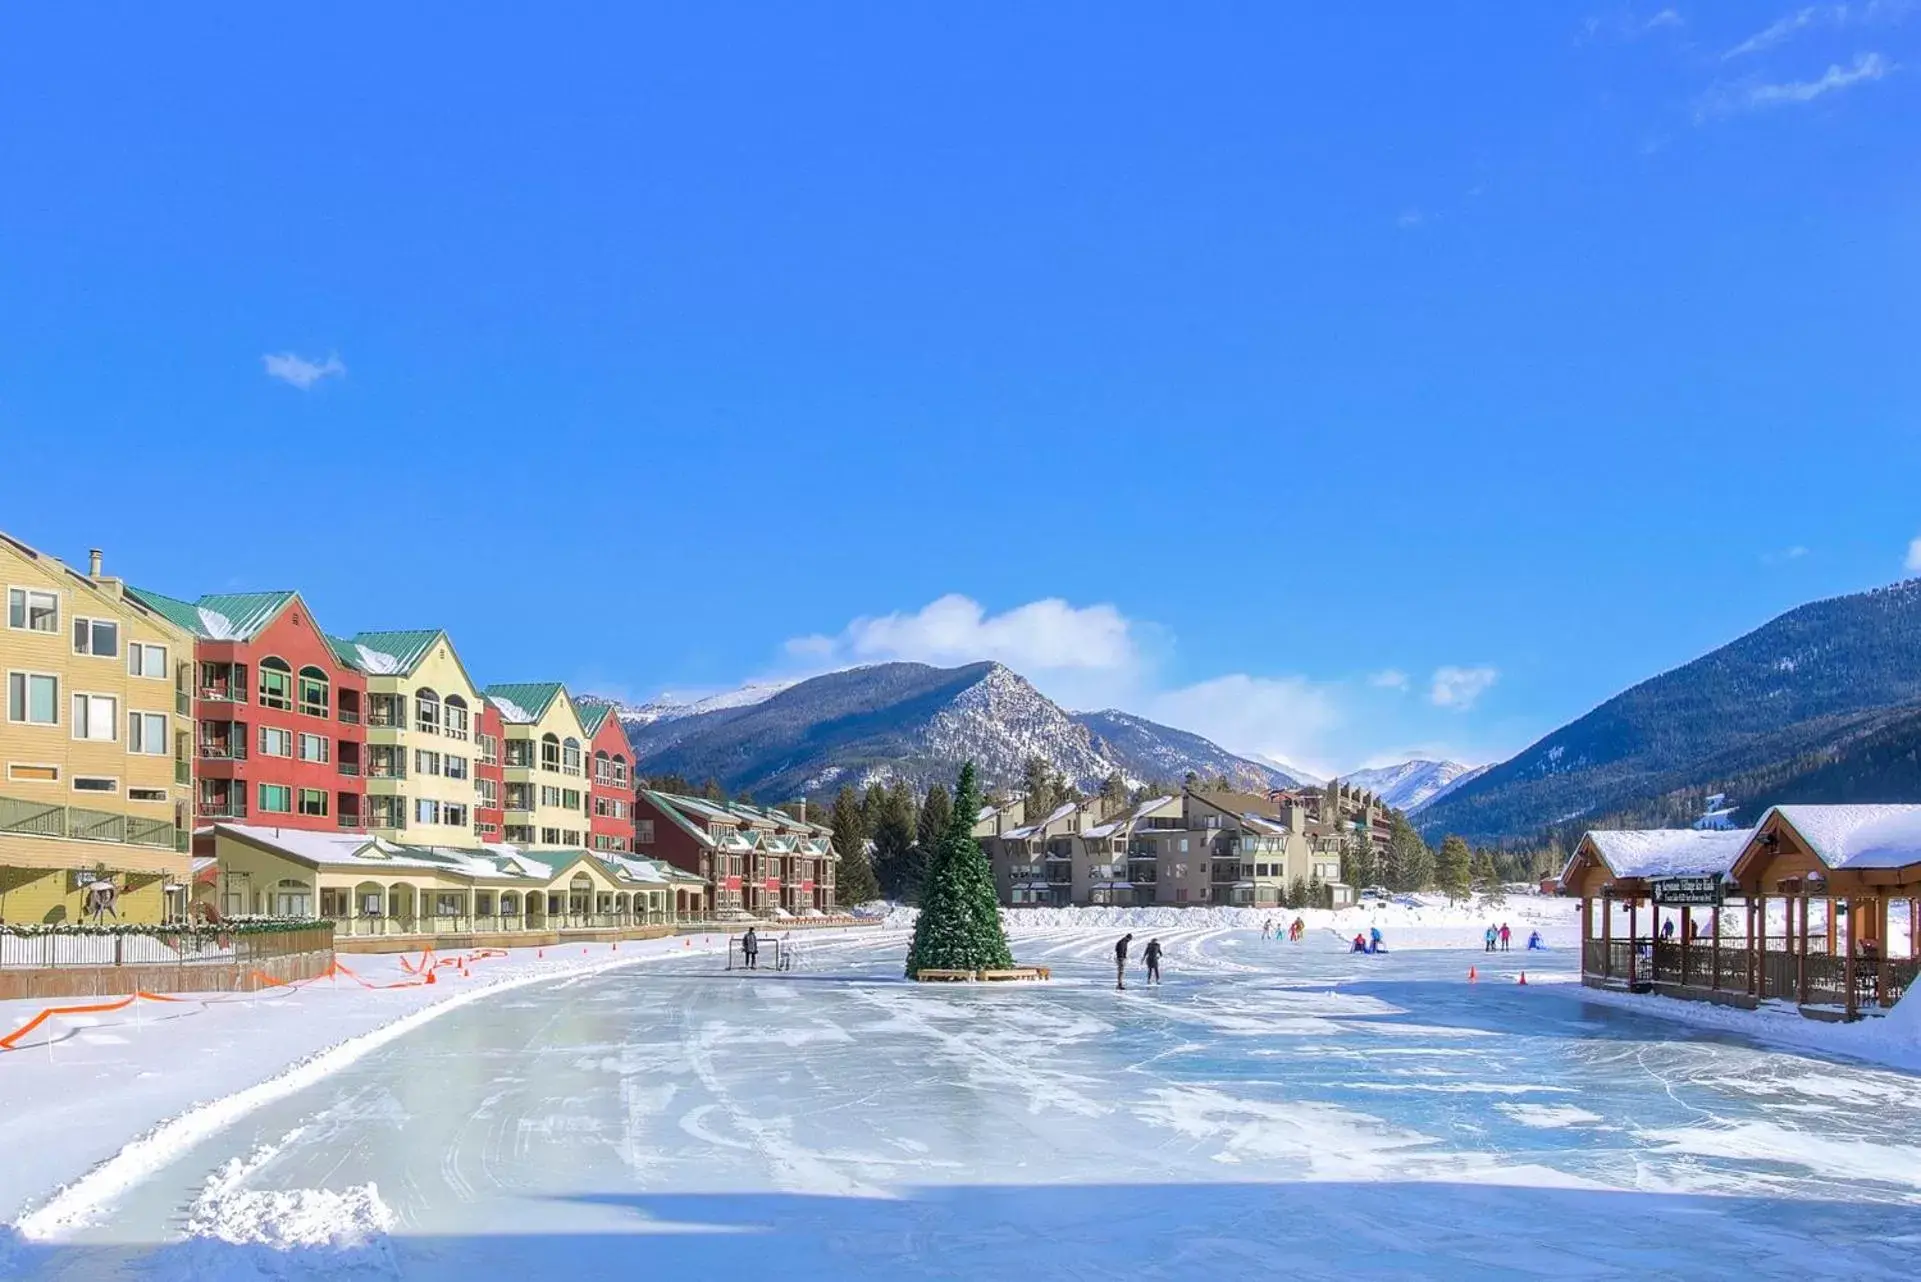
point(1857, 836)
point(1663, 852)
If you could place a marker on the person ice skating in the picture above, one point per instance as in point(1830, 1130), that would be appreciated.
point(1153, 959)
point(1297, 930)
point(750, 949)
point(1360, 944)
point(1488, 939)
point(1120, 961)
point(1534, 944)
point(1374, 939)
point(1667, 931)
point(1267, 928)
point(1505, 936)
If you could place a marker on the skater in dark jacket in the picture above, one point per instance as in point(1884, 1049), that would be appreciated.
point(1153, 959)
point(1120, 961)
point(750, 949)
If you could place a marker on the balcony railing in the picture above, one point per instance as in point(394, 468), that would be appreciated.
point(387, 770)
point(350, 819)
point(76, 823)
point(222, 808)
point(220, 694)
point(223, 751)
point(348, 717)
point(351, 768)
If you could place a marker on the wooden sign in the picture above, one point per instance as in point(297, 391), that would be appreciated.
point(1686, 892)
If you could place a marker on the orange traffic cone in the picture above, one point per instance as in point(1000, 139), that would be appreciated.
point(1523, 980)
point(432, 978)
point(1471, 976)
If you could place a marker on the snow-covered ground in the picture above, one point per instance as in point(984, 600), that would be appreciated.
point(1272, 1107)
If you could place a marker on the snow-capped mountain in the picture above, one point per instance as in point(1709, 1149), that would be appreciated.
point(918, 723)
point(1413, 784)
point(1146, 750)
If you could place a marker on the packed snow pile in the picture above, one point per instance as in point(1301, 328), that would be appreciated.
point(286, 1219)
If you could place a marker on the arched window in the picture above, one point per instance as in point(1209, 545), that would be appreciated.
point(313, 692)
point(620, 768)
point(456, 717)
point(603, 773)
point(550, 752)
point(426, 711)
point(276, 683)
point(570, 755)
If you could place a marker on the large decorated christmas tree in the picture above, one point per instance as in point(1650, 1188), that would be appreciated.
point(960, 915)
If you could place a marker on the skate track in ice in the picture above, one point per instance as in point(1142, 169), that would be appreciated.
point(1271, 1107)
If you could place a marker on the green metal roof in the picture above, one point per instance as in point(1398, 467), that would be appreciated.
point(219, 616)
point(393, 653)
point(345, 651)
point(529, 700)
point(592, 716)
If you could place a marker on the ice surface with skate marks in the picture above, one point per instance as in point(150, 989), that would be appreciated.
point(846, 1124)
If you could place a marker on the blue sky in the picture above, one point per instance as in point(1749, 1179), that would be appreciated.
point(1341, 383)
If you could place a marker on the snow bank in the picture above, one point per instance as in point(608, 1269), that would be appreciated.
point(288, 1218)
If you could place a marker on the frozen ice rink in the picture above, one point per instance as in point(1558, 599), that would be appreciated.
point(1272, 1109)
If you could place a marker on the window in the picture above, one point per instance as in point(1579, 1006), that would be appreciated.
point(315, 747)
point(1183, 845)
point(489, 795)
point(426, 712)
point(146, 794)
point(276, 684)
point(33, 611)
point(620, 769)
point(145, 660)
point(275, 742)
point(550, 836)
point(97, 637)
point(97, 717)
point(549, 752)
point(570, 756)
point(454, 814)
point(520, 796)
point(456, 717)
point(334, 903)
point(489, 750)
point(425, 762)
point(549, 796)
point(276, 799)
point(426, 810)
point(93, 783)
point(313, 692)
point(520, 833)
point(454, 767)
point(33, 774)
point(520, 752)
point(570, 798)
point(147, 733)
point(313, 802)
point(33, 698)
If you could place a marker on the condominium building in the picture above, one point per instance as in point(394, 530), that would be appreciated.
point(96, 742)
point(490, 776)
point(278, 738)
point(423, 713)
point(757, 860)
point(610, 780)
point(543, 762)
point(1195, 848)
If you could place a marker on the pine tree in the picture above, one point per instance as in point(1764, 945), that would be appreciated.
point(1410, 864)
point(897, 865)
point(935, 813)
point(712, 791)
point(1037, 780)
point(1487, 878)
point(1113, 793)
point(1453, 869)
point(854, 879)
point(960, 918)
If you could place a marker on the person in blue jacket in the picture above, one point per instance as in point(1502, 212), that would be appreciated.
point(1374, 944)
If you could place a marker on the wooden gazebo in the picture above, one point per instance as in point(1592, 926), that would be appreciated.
point(1854, 861)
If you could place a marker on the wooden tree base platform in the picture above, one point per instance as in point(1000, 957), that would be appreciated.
point(930, 975)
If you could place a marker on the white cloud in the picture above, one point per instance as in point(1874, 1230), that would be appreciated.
point(1755, 95)
point(1781, 555)
point(1041, 635)
point(1622, 24)
point(301, 372)
point(1827, 15)
point(1775, 32)
point(1460, 688)
point(1914, 556)
point(1665, 18)
point(1389, 679)
point(1284, 717)
point(1410, 219)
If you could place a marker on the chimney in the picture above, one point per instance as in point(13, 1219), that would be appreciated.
point(93, 563)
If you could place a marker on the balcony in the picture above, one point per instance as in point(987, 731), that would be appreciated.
point(378, 769)
point(350, 768)
point(233, 750)
point(222, 808)
point(221, 694)
point(76, 823)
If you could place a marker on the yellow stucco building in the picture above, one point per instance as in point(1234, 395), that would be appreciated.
point(96, 744)
point(543, 759)
point(423, 715)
